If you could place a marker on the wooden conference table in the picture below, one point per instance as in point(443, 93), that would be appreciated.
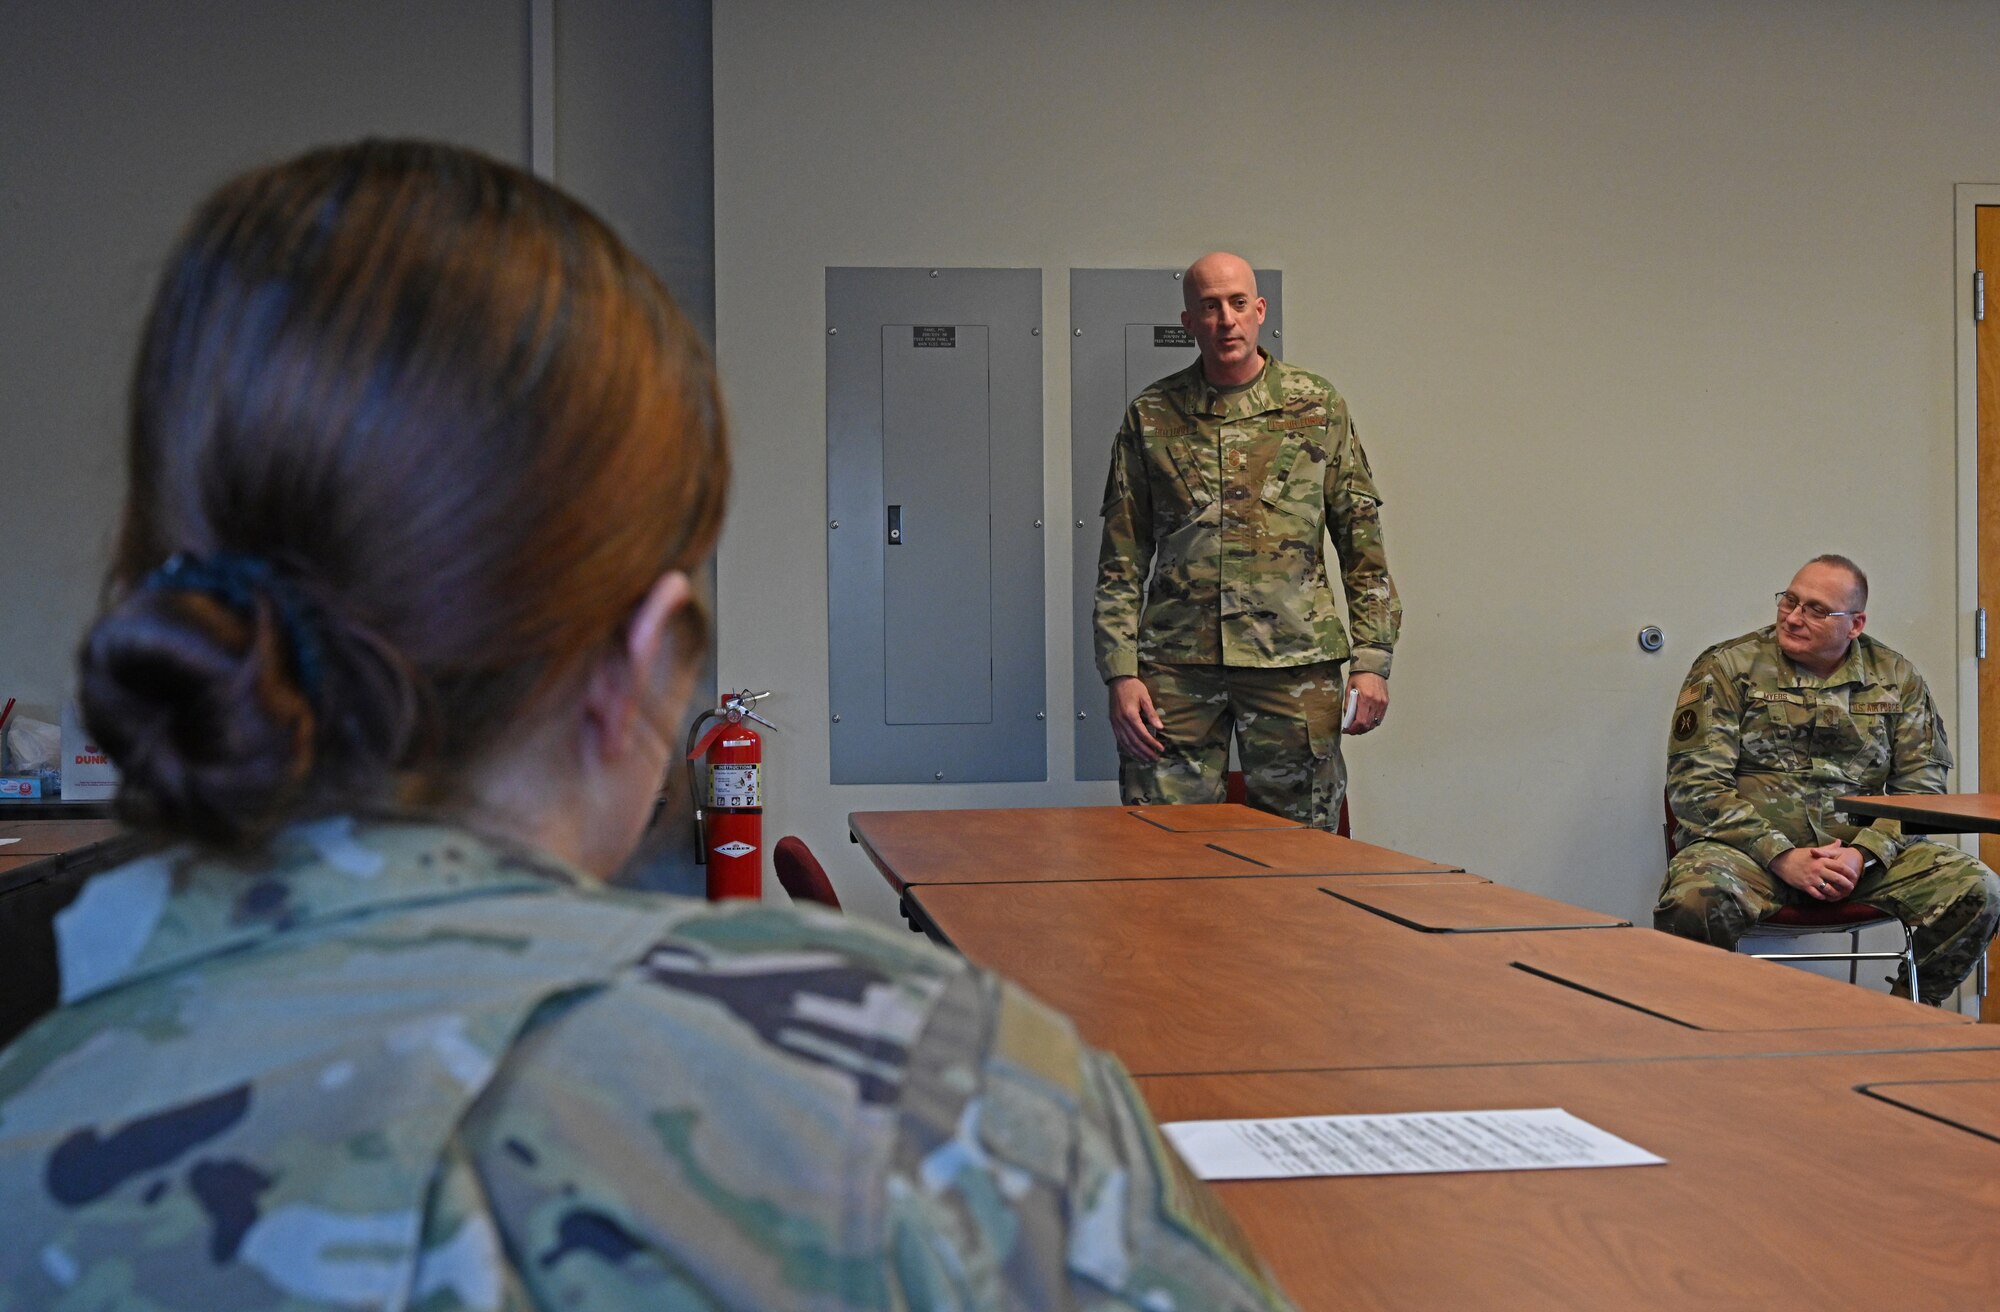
point(1307, 972)
point(40, 871)
point(1930, 813)
point(1050, 844)
point(1319, 977)
point(1860, 1180)
point(38, 846)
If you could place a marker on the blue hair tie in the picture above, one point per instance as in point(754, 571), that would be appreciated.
point(237, 581)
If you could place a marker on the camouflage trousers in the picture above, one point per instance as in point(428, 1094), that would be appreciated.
point(1287, 726)
point(1715, 893)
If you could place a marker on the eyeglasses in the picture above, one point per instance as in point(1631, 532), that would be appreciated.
point(1816, 613)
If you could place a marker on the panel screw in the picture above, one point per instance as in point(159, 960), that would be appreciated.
point(1041, 715)
point(1177, 277)
point(1081, 716)
point(940, 774)
point(1038, 523)
point(1035, 331)
point(836, 719)
point(1079, 523)
point(1276, 333)
point(834, 524)
point(1076, 332)
point(933, 273)
point(833, 332)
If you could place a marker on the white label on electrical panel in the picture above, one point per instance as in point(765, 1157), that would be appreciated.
point(735, 849)
point(735, 785)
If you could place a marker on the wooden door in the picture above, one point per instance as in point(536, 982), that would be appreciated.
point(1986, 240)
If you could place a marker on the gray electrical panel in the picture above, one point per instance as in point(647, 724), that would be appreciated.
point(935, 600)
point(1125, 333)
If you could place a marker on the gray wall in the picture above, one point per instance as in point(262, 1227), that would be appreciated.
point(116, 117)
point(633, 138)
point(1637, 305)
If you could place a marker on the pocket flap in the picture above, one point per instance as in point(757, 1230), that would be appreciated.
point(1188, 466)
point(1297, 447)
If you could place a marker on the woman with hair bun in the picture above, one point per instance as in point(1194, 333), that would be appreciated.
point(397, 631)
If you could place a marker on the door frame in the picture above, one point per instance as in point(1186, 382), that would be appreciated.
point(1968, 197)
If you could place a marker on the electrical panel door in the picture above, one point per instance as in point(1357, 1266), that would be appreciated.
point(935, 596)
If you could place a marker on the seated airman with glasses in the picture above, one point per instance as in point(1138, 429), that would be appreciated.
point(1768, 730)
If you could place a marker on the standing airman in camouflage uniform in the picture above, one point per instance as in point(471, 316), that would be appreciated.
point(1213, 609)
point(1769, 729)
point(398, 1065)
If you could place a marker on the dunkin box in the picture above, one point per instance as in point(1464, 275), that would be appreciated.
point(87, 773)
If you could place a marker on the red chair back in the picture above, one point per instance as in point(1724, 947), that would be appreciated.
point(801, 873)
point(1829, 915)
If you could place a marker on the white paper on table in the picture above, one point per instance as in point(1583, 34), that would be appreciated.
point(1401, 1143)
point(5, 841)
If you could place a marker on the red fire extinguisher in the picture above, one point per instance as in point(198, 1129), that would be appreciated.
point(731, 824)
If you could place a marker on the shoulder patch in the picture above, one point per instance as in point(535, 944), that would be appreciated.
point(1039, 1042)
point(1691, 720)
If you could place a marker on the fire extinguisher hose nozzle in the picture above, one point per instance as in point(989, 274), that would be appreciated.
point(694, 788)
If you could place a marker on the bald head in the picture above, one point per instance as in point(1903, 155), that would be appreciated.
point(1223, 314)
point(1217, 268)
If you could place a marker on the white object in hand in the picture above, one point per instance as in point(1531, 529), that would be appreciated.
point(1347, 714)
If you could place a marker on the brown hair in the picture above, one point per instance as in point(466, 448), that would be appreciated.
point(466, 429)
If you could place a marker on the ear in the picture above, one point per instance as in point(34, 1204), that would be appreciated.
point(1857, 622)
point(1187, 320)
point(648, 638)
point(1260, 309)
point(644, 676)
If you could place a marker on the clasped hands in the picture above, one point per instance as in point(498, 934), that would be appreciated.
point(1827, 873)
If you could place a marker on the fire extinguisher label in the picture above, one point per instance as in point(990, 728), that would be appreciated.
point(735, 849)
point(735, 785)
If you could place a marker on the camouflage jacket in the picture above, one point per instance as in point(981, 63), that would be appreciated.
point(397, 1066)
point(1226, 499)
point(1759, 748)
